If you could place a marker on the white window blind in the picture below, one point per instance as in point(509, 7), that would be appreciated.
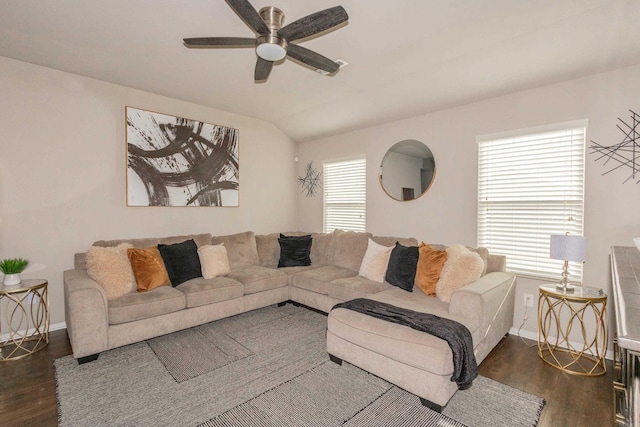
point(345, 195)
point(531, 186)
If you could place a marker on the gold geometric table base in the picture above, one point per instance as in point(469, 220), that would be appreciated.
point(26, 316)
point(559, 314)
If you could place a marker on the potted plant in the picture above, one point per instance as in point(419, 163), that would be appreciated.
point(12, 267)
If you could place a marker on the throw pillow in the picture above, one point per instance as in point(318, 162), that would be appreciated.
point(148, 268)
point(214, 260)
point(462, 267)
point(375, 261)
point(401, 271)
point(430, 263)
point(111, 269)
point(294, 250)
point(181, 260)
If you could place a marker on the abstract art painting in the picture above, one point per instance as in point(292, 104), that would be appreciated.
point(311, 181)
point(173, 161)
point(626, 153)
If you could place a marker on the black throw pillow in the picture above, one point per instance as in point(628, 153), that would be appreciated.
point(181, 261)
point(294, 250)
point(401, 270)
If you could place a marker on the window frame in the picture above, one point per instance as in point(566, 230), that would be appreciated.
point(344, 211)
point(527, 251)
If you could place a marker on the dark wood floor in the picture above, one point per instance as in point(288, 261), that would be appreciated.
point(28, 394)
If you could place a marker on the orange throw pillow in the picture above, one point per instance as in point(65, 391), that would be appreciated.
point(430, 263)
point(148, 268)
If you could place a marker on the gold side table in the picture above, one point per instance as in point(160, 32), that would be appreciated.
point(558, 314)
point(26, 317)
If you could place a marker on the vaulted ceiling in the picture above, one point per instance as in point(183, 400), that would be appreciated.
point(406, 58)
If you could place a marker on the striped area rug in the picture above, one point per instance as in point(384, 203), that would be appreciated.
point(264, 368)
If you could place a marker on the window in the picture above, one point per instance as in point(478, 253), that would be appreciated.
point(345, 195)
point(530, 186)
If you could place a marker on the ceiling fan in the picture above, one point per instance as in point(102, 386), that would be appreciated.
point(273, 42)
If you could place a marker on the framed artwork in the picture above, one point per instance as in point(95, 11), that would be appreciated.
point(173, 161)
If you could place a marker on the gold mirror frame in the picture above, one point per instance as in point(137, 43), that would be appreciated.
point(402, 162)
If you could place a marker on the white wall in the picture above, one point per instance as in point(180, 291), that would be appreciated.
point(63, 171)
point(447, 213)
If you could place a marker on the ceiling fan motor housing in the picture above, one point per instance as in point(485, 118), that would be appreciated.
point(271, 47)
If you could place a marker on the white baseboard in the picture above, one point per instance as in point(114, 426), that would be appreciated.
point(534, 336)
point(53, 327)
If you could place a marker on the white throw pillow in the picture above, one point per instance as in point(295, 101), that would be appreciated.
point(375, 261)
point(461, 268)
point(214, 260)
point(110, 267)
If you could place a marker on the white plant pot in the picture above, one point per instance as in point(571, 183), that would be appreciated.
point(11, 279)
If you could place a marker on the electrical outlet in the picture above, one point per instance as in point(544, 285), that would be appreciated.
point(528, 300)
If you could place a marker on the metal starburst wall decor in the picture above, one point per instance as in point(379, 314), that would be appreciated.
point(624, 154)
point(311, 181)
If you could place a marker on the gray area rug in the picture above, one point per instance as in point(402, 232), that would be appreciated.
point(268, 367)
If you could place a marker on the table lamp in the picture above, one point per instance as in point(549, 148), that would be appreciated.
point(567, 248)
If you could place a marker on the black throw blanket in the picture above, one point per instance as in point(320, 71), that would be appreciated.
point(465, 368)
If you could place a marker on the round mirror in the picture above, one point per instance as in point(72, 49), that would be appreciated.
point(407, 170)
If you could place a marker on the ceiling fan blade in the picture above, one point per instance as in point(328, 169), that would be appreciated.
point(263, 68)
point(314, 23)
point(204, 42)
point(311, 58)
point(249, 15)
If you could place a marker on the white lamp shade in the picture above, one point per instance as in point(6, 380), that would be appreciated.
point(568, 248)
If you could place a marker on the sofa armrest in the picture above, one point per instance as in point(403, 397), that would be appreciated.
point(86, 313)
point(483, 300)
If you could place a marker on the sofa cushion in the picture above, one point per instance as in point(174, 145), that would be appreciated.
point(241, 248)
point(430, 263)
point(321, 248)
point(375, 261)
point(391, 241)
point(181, 261)
point(200, 239)
point(348, 248)
point(256, 278)
point(268, 247)
point(214, 261)
point(143, 305)
point(354, 287)
point(462, 267)
point(317, 279)
point(201, 291)
point(294, 250)
point(148, 268)
point(110, 267)
point(403, 262)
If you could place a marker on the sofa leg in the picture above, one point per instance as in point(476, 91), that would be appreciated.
point(282, 304)
point(429, 404)
point(335, 359)
point(87, 359)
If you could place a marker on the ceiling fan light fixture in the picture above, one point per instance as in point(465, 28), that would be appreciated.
point(271, 48)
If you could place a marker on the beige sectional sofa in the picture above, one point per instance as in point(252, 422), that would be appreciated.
point(413, 360)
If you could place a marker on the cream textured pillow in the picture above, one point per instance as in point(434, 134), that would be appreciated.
point(375, 261)
point(110, 267)
point(214, 260)
point(461, 268)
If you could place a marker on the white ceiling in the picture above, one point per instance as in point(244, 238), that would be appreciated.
point(406, 57)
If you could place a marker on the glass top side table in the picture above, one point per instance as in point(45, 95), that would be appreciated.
point(24, 311)
point(559, 313)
